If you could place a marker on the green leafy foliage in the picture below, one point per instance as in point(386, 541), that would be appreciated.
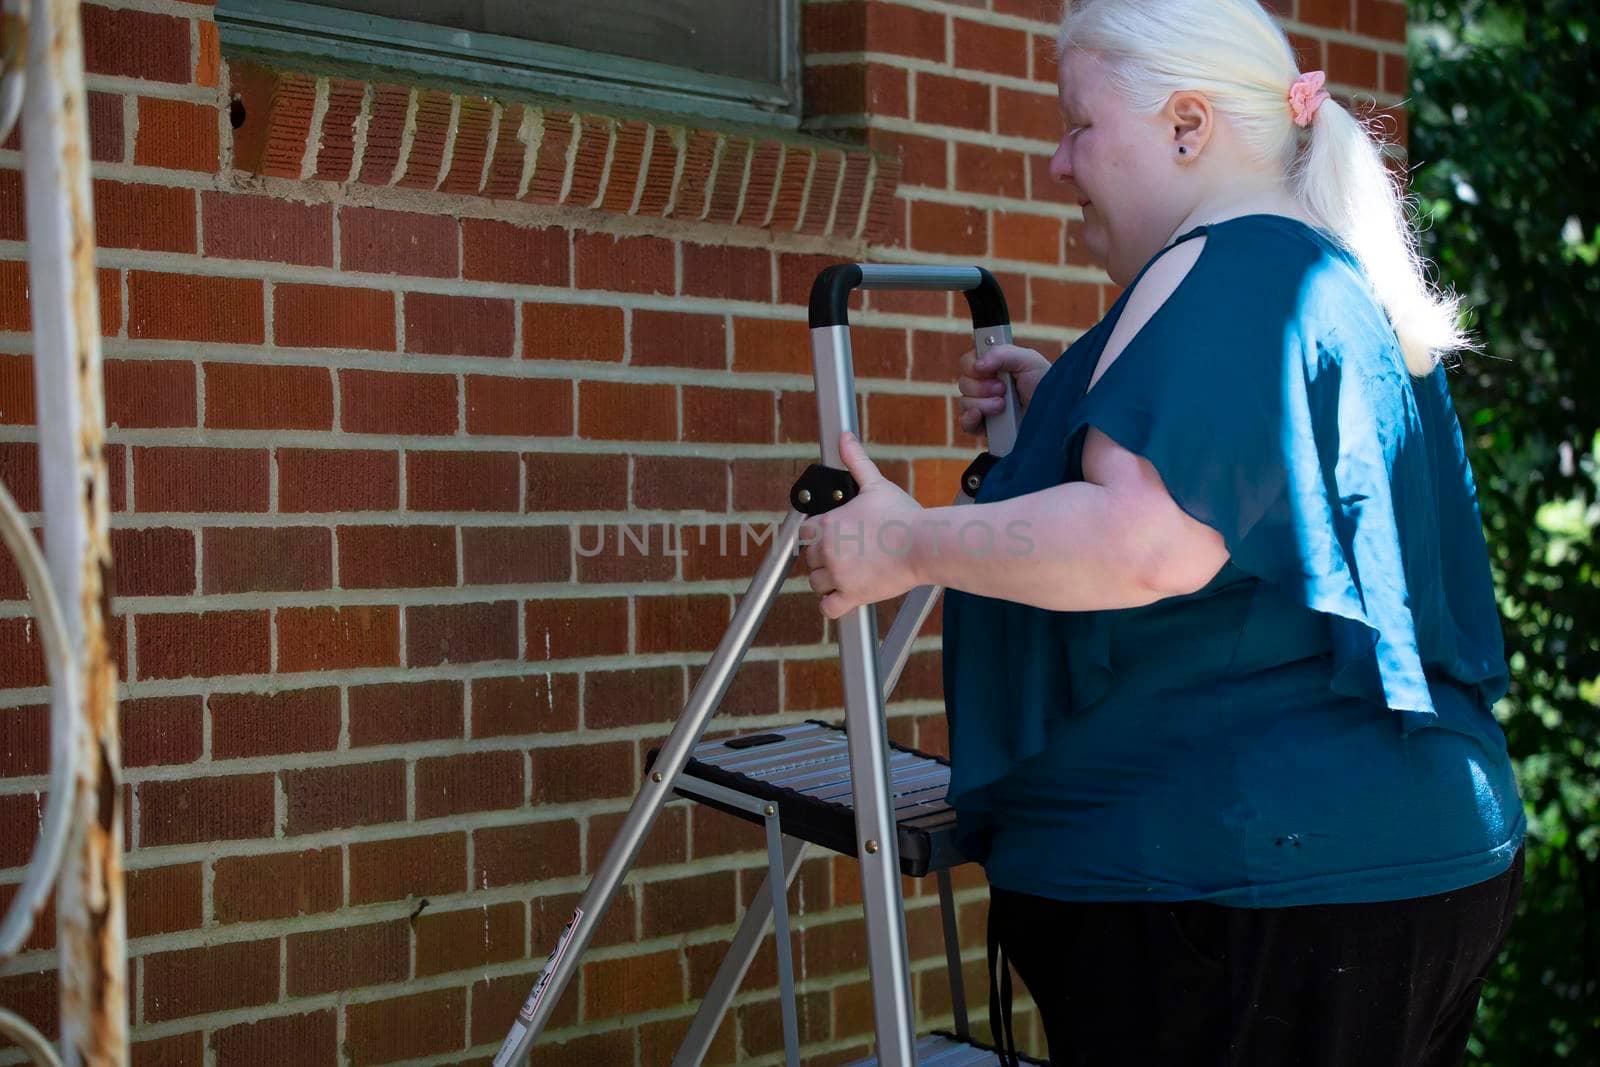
point(1506, 163)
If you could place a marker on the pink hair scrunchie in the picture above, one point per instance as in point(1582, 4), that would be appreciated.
point(1306, 96)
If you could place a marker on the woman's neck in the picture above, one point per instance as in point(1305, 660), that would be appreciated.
point(1265, 199)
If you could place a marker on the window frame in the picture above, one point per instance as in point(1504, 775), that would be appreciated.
point(289, 28)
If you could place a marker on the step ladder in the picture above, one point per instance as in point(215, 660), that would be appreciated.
point(845, 788)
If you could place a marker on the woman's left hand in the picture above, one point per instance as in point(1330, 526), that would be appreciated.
point(861, 553)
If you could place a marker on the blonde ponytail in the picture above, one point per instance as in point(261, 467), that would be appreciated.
point(1235, 53)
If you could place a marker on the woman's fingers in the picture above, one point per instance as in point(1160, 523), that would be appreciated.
point(821, 581)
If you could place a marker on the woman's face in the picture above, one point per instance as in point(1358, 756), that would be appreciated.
point(1122, 165)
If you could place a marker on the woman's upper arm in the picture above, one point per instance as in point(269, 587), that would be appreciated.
point(1174, 552)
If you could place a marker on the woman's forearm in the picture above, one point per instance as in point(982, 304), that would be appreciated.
point(1071, 547)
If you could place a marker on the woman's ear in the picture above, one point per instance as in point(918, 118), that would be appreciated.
point(1188, 114)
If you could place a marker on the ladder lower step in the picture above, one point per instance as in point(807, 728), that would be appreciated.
point(805, 770)
point(947, 1050)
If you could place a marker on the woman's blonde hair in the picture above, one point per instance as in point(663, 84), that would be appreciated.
point(1240, 58)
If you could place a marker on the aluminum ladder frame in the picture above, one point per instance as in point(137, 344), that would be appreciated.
point(869, 674)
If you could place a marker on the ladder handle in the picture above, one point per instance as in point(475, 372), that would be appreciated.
point(830, 293)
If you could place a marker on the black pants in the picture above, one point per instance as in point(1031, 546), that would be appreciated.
point(1194, 984)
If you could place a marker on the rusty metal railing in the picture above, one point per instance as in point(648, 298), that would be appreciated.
point(80, 843)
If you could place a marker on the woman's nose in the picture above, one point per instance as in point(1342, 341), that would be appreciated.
point(1061, 162)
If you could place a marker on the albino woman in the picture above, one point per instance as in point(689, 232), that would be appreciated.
point(1220, 732)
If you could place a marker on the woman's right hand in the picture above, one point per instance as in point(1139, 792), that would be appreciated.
point(982, 391)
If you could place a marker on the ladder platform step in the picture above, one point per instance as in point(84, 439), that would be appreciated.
point(942, 1049)
point(805, 770)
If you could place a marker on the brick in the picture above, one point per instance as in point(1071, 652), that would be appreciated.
point(1036, 238)
point(668, 483)
point(727, 272)
point(179, 307)
point(177, 135)
point(594, 771)
point(589, 160)
point(474, 781)
point(462, 481)
point(495, 251)
point(15, 312)
point(777, 346)
point(256, 396)
point(519, 407)
point(671, 338)
point(699, 156)
point(550, 165)
point(164, 899)
point(635, 983)
point(36, 997)
point(336, 154)
point(158, 561)
point(397, 242)
point(21, 817)
point(421, 1024)
point(1027, 114)
point(758, 188)
point(948, 228)
point(728, 185)
point(475, 118)
point(535, 852)
point(836, 89)
point(396, 557)
point(332, 316)
point(788, 200)
point(430, 129)
point(460, 633)
point(577, 482)
point(148, 394)
point(333, 798)
point(505, 555)
point(678, 905)
point(1333, 14)
point(17, 393)
point(904, 30)
point(214, 978)
point(385, 126)
point(267, 559)
point(680, 623)
point(160, 730)
point(150, 218)
point(569, 629)
point(627, 157)
point(274, 113)
point(627, 411)
point(135, 44)
point(178, 1050)
point(332, 961)
point(208, 54)
point(373, 401)
point(1385, 19)
point(1352, 65)
point(459, 325)
point(624, 264)
point(728, 415)
point(659, 173)
point(403, 712)
point(309, 1038)
point(946, 101)
point(468, 938)
point(274, 723)
point(633, 696)
point(535, 703)
point(328, 638)
point(202, 644)
point(830, 28)
point(227, 808)
point(1075, 304)
point(279, 885)
point(572, 331)
point(667, 843)
point(625, 552)
point(995, 171)
point(337, 480)
point(407, 867)
point(995, 49)
point(24, 742)
point(266, 228)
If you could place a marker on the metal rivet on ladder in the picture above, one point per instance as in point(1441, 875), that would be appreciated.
point(973, 483)
point(768, 810)
point(872, 846)
point(804, 495)
point(988, 340)
point(838, 494)
point(656, 776)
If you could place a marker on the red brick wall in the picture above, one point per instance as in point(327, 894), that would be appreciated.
point(380, 717)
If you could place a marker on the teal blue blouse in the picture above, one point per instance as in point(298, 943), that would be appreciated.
point(1312, 726)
